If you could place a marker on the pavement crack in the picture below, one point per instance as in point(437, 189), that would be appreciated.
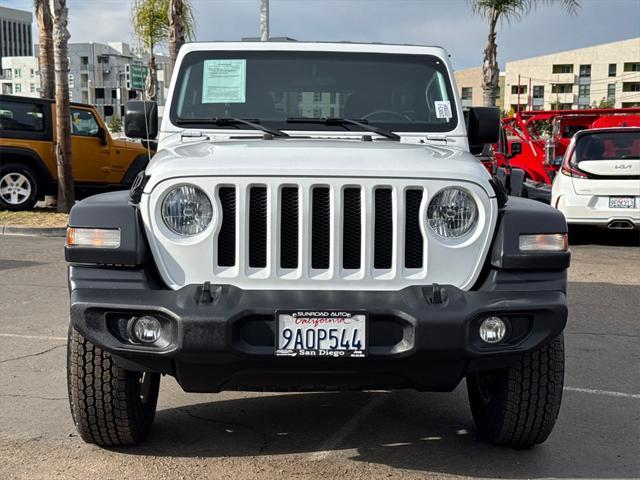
point(33, 354)
point(37, 397)
point(626, 335)
point(265, 439)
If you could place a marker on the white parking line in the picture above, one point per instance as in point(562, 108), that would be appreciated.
point(31, 337)
point(602, 392)
point(328, 447)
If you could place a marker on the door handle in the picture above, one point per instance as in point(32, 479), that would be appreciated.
point(105, 169)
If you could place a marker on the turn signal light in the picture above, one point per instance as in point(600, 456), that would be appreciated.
point(93, 237)
point(544, 242)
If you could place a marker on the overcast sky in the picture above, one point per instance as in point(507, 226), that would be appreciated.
point(448, 23)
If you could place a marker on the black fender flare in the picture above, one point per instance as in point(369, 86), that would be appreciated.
point(138, 165)
point(41, 168)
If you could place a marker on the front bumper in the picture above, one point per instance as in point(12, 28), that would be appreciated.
point(229, 342)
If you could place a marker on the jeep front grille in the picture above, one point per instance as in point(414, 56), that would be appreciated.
point(374, 230)
point(305, 233)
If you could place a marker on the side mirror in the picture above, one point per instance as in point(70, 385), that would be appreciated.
point(483, 125)
point(141, 119)
point(102, 136)
point(516, 149)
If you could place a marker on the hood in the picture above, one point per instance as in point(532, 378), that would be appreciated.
point(308, 157)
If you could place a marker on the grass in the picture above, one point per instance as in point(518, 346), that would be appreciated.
point(34, 218)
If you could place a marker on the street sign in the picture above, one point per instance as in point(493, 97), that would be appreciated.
point(138, 74)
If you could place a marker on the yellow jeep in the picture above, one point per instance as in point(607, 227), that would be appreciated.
point(28, 168)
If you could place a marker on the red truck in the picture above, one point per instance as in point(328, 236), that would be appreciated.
point(533, 143)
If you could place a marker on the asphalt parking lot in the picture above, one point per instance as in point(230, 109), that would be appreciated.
point(323, 435)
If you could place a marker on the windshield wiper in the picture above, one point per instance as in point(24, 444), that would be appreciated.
point(224, 121)
point(346, 121)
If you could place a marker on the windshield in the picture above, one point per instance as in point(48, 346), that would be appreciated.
point(615, 145)
point(410, 93)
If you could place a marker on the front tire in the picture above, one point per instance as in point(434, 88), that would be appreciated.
point(110, 406)
point(518, 406)
point(19, 187)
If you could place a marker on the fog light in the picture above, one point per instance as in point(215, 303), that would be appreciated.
point(492, 330)
point(145, 329)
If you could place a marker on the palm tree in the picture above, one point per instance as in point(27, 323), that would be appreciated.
point(504, 10)
point(151, 25)
point(45, 51)
point(60, 18)
point(180, 21)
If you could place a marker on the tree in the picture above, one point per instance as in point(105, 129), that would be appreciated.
point(150, 20)
point(180, 23)
point(496, 11)
point(115, 124)
point(60, 17)
point(45, 50)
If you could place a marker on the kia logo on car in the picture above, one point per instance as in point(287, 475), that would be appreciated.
point(622, 166)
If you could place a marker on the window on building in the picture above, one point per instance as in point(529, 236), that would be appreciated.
point(630, 104)
point(7, 88)
point(584, 90)
point(631, 87)
point(538, 91)
point(563, 68)
point(84, 60)
point(33, 72)
point(71, 80)
point(332, 99)
point(99, 93)
point(611, 91)
point(17, 72)
point(114, 94)
point(466, 93)
point(632, 67)
point(613, 69)
point(26, 117)
point(562, 88)
point(514, 107)
point(561, 106)
point(317, 96)
point(17, 88)
point(83, 123)
point(317, 112)
point(585, 70)
point(514, 89)
point(32, 88)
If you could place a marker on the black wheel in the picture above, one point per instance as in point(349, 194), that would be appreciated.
point(110, 405)
point(518, 406)
point(19, 187)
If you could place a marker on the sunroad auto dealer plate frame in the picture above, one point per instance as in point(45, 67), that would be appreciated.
point(337, 331)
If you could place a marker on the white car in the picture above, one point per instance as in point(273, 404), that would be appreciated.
point(314, 220)
point(599, 182)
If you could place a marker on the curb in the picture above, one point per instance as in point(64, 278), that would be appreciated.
point(33, 231)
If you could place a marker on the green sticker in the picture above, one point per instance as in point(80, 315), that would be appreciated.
point(224, 81)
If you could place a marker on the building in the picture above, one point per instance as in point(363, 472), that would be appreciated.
point(601, 75)
point(20, 76)
point(108, 75)
point(15, 33)
point(469, 83)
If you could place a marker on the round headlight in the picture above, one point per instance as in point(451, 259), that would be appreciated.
point(187, 210)
point(452, 212)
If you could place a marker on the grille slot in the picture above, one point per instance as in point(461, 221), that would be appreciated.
point(351, 229)
point(289, 221)
point(320, 228)
point(413, 241)
point(383, 229)
point(258, 227)
point(227, 234)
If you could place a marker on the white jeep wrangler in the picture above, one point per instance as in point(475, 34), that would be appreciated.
point(314, 220)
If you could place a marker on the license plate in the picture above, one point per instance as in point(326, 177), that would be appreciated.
point(321, 333)
point(622, 202)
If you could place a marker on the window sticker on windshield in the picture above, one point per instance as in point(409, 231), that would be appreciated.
point(224, 81)
point(443, 109)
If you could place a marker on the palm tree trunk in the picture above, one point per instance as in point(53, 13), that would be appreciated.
point(151, 82)
point(45, 42)
point(264, 20)
point(177, 33)
point(61, 36)
point(490, 69)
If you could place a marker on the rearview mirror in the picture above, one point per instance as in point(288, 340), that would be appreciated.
point(141, 119)
point(102, 136)
point(483, 125)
